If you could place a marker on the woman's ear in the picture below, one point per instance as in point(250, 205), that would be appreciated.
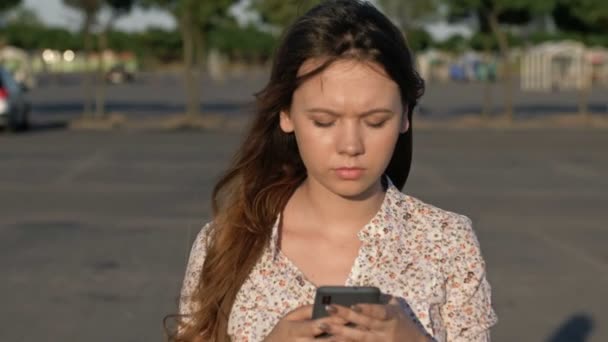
point(405, 123)
point(285, 122)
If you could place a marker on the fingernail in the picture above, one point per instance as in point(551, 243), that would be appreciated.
point(330, 309)
point(324, 327)
point(355, 308)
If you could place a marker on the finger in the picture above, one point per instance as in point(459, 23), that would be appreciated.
point(386, 298)
point(350, 315)
point(332, 320)
point(346, 333)
point(302, 329)
point(300, 314)
point(376, 311)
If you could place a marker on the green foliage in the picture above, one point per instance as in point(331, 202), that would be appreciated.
point(157, 43)
point(23, 15)
point(86, 6)
point(481, 41)
point(8, 4)
point(123, 41)
point(281, 13)
point(202, 14)
point(419, 39)
point(456, 43)
point(514, 12)
point(247, 43)
point(459, 8)
point(406, 12)
point(120, 6)
point(584, 16)
point(34, 37)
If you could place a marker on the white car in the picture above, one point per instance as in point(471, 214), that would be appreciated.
point(14, 107)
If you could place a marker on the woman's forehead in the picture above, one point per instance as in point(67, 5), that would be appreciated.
point(344, 65)
point(349, 81)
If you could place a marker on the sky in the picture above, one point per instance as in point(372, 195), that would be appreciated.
point(53, 12)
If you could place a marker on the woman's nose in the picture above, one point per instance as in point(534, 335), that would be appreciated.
point(350, 141)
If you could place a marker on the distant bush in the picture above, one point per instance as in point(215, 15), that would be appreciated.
point(246, 44)
point(34, 37)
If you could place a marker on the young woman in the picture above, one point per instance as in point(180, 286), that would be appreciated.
point(312, 198)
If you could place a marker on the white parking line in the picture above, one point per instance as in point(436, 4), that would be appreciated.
point(81, 167)
point(600, 266)
point(580, 171)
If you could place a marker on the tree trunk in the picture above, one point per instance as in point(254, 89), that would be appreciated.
point(88, 75)
point(487, 85)
point(199, 47)
point(100, 88)
point(186, 28)
point(583, 102)
point(503, 45)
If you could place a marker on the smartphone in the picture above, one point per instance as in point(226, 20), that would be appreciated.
point(345, 296)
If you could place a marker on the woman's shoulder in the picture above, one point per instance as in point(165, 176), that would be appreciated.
point(198, 252)
point(194, 266)
point(417, 210)
point(199, 245)
point(416, 217)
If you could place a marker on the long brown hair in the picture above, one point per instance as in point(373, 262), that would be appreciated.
point(267, 168)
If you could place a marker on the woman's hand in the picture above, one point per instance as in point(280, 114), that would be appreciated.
point(298, 326)
point(375, 322)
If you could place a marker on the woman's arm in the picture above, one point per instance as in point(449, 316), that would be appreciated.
point(194, 267)
point(467, 314)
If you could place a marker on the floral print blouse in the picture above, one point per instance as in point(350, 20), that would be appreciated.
point(427, 258)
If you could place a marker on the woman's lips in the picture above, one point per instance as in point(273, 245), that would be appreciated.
point(349, 173)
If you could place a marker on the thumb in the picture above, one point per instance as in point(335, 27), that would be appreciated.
point(300, 314)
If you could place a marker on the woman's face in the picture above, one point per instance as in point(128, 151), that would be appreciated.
point(346, 121)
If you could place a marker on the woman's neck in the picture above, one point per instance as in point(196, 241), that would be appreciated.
point(335, 213)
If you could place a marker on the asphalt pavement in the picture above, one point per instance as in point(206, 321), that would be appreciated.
point(95, 227)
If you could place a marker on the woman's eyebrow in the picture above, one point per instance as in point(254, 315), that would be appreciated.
point(334, 113)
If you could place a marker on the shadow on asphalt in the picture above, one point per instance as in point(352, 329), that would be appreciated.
point(40, 127)
point(577, 328)
point(48, 126)
point(148, 108)
point(521, 111)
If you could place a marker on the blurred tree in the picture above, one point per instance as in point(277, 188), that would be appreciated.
point(6, 5)
point(31, 37)
point(492, 14)
point(408, 14)
point(456, 43)
point(419, 39)
point(25, 16)
point(280, 13)
point(117, 8)
point(582, 19)
point(89, 10)
point(248, 44)
point(158, 45)
point(195, 19)
point(583, 16)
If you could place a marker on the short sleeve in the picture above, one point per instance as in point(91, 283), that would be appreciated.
point(467, 314)
point(193, 272)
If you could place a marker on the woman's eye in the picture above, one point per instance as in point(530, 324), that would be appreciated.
point(322, 124)
point(376, 124)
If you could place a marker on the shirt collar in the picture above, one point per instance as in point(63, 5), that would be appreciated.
point(378, 228)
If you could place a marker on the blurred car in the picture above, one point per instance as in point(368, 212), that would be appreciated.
point(14, 107)
point(119, 74)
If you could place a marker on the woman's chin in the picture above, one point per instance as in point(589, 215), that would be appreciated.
point(352, 189)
